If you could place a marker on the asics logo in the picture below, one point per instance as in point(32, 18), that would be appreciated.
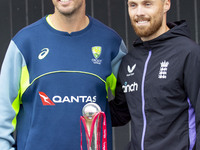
point(43, 54)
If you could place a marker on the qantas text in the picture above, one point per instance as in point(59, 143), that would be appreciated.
point(72, 99)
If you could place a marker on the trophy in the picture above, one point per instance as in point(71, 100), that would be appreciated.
point(92, 120)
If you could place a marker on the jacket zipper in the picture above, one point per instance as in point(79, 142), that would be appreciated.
point(143, 100)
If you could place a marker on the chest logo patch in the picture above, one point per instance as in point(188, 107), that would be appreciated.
point(96, 51)
point(130, 70)
point(128, 88)
point(43, 54)
point(163, 69)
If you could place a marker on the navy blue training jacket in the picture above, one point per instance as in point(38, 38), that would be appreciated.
point(158, 90)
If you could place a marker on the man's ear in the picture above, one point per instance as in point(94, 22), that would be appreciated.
point(167, 5)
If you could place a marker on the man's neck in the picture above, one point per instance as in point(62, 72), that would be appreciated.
point(69, 23)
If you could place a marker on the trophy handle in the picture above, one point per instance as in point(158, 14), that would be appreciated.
point(89, 135)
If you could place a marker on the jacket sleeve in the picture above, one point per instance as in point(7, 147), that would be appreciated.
point(192, 87)
point(115, 63)
point(118, 106)
point(9, 99)
point(119, 109)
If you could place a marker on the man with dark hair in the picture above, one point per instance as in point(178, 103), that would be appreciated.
point(158, 82)
point(52, 68)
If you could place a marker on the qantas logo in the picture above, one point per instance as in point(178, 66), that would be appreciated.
point(45, 99)
point(66, 99)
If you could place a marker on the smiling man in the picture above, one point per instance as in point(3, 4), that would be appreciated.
point(158, 82)
point(52, 68)
point(148, 18)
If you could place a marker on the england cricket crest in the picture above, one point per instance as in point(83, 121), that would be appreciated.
point(96, 51)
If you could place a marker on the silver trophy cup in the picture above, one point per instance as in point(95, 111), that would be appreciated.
point(92, 125)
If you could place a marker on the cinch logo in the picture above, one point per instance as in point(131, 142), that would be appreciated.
point(130, 70)
point(43, 54)
point(66, 99)
point(163, 70)
point(96, 51)
point(130, 88)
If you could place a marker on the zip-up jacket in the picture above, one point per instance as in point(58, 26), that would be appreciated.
point(48, 76)
point(158, 90)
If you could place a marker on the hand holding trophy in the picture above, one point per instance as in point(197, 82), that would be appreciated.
point(92, 121)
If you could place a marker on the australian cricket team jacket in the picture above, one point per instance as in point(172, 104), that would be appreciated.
point(159, 84)
point(48, 76)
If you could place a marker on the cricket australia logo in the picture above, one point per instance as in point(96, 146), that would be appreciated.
point(163, 70)
point(96, 51)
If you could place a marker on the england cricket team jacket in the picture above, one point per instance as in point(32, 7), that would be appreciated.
point(46, 79)
point(159, 82)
